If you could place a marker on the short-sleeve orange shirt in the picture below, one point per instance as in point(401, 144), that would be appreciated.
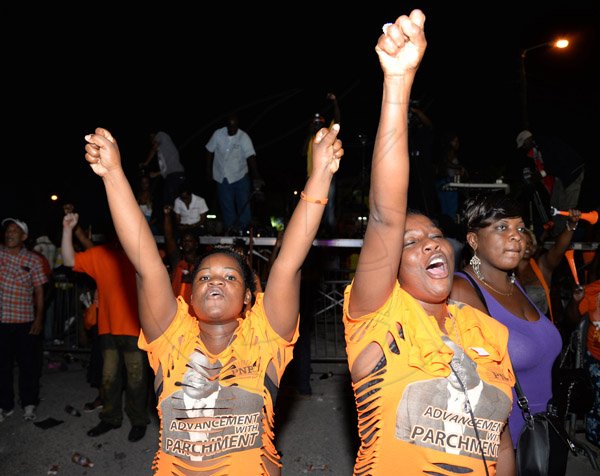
point(216, 411)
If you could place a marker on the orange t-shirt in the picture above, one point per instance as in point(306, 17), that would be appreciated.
point(586, 306)
point(115, 280)
point(588, 303)
point(593, 341)
point(216, 411)
point(412, 414)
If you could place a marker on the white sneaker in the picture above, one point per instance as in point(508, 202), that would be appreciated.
point(29, 412)
point(5, 414)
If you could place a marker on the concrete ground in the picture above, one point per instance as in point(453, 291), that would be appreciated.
point(316, 434)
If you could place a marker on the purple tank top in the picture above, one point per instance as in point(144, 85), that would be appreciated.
point(533, 347)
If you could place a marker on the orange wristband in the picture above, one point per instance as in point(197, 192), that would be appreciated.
point(320, 201)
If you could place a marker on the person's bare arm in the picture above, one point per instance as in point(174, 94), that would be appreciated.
point(282, 292)
point(506, 455)
point(66, 247)
point(257, 181)
point(157, 303)
point(550, 260)
point(400, 51)
point(462, 291)
point(37, 326)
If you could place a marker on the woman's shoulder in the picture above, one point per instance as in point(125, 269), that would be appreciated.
point(463, 291)
point(461, 278)
point(461, 286)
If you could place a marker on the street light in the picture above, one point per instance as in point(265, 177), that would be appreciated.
point(560, 43)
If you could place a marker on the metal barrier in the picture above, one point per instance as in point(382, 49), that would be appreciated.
point(327, 339)
point(63, 325)
point(64, 318)
point(328, 343)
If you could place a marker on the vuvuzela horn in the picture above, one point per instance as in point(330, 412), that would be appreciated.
point(570, 255)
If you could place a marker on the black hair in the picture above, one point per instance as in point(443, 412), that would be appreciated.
point(185, 186)
point(414, 211)
point(482, 210)
point(417, 212)
point(247, 272)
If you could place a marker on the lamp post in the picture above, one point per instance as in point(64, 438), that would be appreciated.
point(561, 43)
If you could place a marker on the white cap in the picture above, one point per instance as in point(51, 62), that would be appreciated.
point(21, 224)
point(522, 137)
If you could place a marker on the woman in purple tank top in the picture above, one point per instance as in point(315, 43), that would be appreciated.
point(495, 233)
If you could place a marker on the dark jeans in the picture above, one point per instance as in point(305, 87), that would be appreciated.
point(94, 371)
point(121, 352)
point(234, 201)
point(16, 344)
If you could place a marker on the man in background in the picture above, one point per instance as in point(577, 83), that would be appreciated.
point(169, 164)
point(231, 162)
point(555, 165)
point(118, 330)
point(22, 280)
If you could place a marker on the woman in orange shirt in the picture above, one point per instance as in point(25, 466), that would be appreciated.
point(216, 409)
point(431, 377)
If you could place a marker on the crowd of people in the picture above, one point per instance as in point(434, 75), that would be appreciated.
point(434, 341)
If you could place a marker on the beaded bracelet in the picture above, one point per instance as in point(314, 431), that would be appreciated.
point(306, 198)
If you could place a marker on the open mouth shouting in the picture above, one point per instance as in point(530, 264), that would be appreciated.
point(215, 293)
point(437, 267)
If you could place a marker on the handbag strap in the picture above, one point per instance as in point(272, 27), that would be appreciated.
point(521, 398)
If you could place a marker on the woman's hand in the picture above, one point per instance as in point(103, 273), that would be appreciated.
point(578, 293)
point(401, 46)
point(327, 150)
point(102, 152)
point(70, 220)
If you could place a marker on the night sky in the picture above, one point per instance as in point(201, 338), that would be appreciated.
point(183, 71)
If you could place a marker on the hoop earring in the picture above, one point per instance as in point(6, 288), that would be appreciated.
point(475, 262)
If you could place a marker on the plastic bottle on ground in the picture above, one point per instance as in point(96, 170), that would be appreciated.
point(82, 460)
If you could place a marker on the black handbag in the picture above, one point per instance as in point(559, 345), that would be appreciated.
point(544, 445)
